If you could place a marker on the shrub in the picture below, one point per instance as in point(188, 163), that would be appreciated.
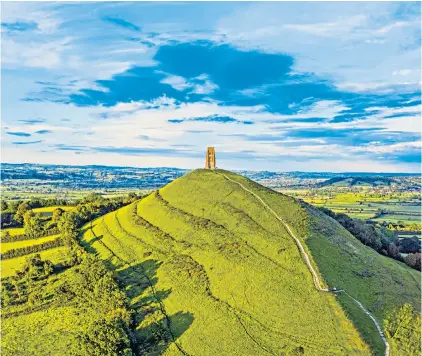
point(413, 260)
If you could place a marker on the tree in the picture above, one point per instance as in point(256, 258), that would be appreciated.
point(3, 205)
point(68, 226)
point(32, 224)
point(6, 296)
point(105, 337)
point(22, 209)
point(35, 267)
point(410, 245)
point(413, 260)
point(13, 206)
point(57, 213)
point(393, 251)
point(402, 327)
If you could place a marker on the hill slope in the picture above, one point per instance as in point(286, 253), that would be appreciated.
point(210, 271)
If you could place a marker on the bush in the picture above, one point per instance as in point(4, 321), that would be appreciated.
point(410, 245)
point(402, 328)
point(413, 260)
point(35, 267)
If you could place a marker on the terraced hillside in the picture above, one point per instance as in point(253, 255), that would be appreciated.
point(210, 271)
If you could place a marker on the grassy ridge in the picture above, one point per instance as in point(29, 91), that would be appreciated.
point(208, 267)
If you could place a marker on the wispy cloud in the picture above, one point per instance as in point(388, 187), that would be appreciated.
point(122, 23)
point(19, 26)
point(26, 142)
point(22, 134)
point(267, 88)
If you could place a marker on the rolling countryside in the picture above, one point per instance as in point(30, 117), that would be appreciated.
point(203, 249)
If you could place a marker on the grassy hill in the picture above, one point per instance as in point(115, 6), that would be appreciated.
point(209, 271)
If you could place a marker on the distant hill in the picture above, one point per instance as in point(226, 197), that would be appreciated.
point(211, 271)
point(358, 181)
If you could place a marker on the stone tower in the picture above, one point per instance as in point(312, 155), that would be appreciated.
point(210, 158)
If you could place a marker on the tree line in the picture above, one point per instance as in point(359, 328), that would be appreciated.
point(7, 237)
point(22, 251)
point(382, 240)
point(90, 287)
point(13, 213)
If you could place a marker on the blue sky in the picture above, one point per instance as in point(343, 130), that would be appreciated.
point(321, 86)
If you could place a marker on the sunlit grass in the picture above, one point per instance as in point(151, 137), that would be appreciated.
point(10, 266)
point(6, 246)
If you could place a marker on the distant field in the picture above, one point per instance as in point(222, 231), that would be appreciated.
point(363, 216)
point(407, 220)
point(10, 195)
point(6, 246)
point(364, 204)
point(10, 266)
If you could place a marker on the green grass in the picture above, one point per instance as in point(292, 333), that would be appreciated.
point(51, 327)
point(51, 331)
point(227, 274)
point(10, 266)
point(6, 246)
point(380, 283)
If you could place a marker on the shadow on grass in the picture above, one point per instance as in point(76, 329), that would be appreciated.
point(154, 329)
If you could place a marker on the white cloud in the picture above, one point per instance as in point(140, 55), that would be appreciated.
point(388, 28)
point(397, 147)
point(376, 41)
point(201, 84)
point(47, 20)
point(379, 87)
point(177, 82)
point(330, 29)
point(46, 55)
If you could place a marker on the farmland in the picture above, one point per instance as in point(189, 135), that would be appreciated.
point(198, 250)
point(401, 209)
point(50, 284)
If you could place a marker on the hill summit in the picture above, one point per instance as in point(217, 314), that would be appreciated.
point(211, 267)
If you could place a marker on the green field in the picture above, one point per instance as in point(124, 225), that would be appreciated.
point(10, 266)
point(213, 253)
point(53, 331)
point(22, 193)
point(364, 204)
point(48, 210)
point(6, 246)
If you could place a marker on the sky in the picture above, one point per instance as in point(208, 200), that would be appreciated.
point(286, 86)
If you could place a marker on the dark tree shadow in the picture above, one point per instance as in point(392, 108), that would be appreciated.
point(157, 337)
point(139, 282)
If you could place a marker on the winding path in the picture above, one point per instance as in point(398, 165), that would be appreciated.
point(305, 255)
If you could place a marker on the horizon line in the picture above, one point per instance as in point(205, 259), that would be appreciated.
point(191, 169)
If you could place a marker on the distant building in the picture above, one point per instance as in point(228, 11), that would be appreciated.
point(210, 158)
